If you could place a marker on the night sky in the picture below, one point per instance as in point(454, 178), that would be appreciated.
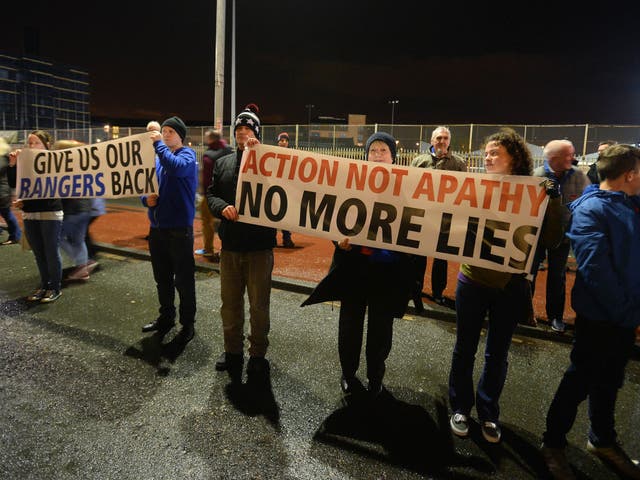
point(446, 62)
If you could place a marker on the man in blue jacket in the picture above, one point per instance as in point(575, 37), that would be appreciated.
point(171, 212)
point(605, 237)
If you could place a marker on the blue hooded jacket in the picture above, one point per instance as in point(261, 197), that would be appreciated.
point(605, 237)
point(177, 174)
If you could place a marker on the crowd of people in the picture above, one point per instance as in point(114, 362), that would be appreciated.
point(597, 220)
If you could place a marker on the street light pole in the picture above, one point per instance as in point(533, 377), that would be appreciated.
point(393, 111)
point(309, 107)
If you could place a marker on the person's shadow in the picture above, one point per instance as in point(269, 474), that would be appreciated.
point(255, 397)
point(156, 353)
point(396, 432)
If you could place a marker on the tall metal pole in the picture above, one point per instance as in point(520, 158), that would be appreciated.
point(218, 97)
point(393, 111)
point(233, 72)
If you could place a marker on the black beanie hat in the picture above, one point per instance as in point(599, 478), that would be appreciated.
point(249, 118)
point(381, 137)
point(178, 125)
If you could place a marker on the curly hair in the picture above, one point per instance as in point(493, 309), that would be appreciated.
point(516, 147)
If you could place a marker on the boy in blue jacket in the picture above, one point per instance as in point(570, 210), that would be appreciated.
point(171, 213)
point(605, 237)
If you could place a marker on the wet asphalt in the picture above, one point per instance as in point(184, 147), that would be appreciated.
point(86, 395)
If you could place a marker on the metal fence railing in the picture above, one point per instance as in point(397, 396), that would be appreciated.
point(347, 140)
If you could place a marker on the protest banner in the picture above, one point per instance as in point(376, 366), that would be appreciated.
point(491, 221)
point(118, 168)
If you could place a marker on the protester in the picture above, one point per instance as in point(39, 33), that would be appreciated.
point(42, 219)
point(7, 181)
point(592, 173)
point(217, 148)
point(246, 261)
point(605, 237)
point(366, 279)
point(439, 157)
point(171, 212)
point(504, 298)
point(571, 182)
point(153, 126)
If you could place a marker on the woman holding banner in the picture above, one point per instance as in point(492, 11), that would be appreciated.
point(364, 279)
point(502, 296)
point(43, 227)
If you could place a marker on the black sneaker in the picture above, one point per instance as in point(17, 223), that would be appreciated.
point(186, 333)
point(558, 325)
point(37, 295)
point(51, 296)
point(459, 424)
point(491, 432)
point(557, 463)
point(228, 360)
point(160, 325)
point(616, 459)
point(351, 386)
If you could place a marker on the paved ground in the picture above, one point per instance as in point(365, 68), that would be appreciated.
point(86, 395)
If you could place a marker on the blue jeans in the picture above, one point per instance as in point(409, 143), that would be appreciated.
point(74, 229)
point(598, 360)
point(12, 224)
point(250, 272)
point(44, 239)
point(174, 269)
point(504, 308)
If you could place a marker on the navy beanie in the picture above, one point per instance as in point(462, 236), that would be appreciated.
point(381, 137)
point(178, 125)
point(249, 118)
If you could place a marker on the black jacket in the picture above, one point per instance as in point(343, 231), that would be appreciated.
point(382, 273)
point(235, 236)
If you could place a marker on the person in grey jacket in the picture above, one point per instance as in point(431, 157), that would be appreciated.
point(246, 261)
point(439, 157)
point(572, 181)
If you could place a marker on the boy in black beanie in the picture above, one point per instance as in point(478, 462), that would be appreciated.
point(246, 262)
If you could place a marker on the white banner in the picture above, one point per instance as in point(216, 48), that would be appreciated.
point(491, 221)
point(118, 168)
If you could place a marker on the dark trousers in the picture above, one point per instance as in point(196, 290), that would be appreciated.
point(379, 336)
point(504, 308)
point(438, 275)
point(174, 269)
point(92, 251)
point(556, 278)
point(44, 238)
point(598, 359)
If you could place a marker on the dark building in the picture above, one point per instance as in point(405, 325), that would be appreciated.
point(36, 93)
